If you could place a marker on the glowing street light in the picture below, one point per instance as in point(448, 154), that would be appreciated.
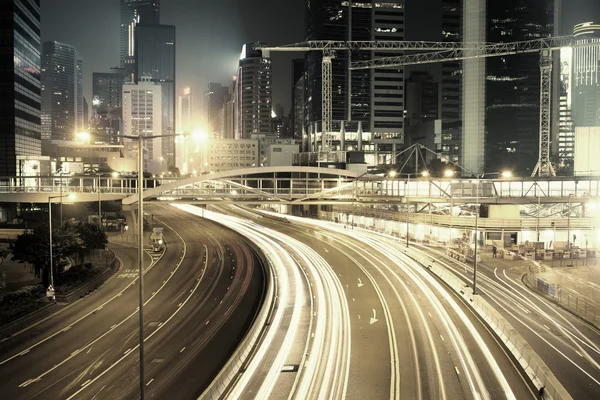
point(449, 173)
point(506, 174)
point(83, 138)
point(425, 174)
point(392, 174)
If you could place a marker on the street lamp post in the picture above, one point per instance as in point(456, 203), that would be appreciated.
point(140, 221)
point(51, 287)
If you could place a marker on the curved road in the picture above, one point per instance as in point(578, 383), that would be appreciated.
point(200, 296)
point(410, 338)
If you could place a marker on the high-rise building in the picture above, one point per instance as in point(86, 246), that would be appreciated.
point(513, 86)
point(184, 111)
point(80, 120)
point(585, 84)
point(59, 91)
point(155, 58)
point(422, 98)
point(367, 105)
point(20, 90)
point(298, 69)
point(299, 109)
point(253, 93)
point(134, 12)
point(86, 114)
point(107, 91)
point(184, 125)
point(450, 102)
point(142, 115)
point(216, 97)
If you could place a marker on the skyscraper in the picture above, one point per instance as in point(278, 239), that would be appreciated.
point(297, 114)
point(155, 58)
point(513, 85)
point(450, 106)
point(367, 105)
point(585, 83)
point(184, 111)
point(217, 95)
point(59, 91)
point(134, 12)
point(142, 115)
point(253, 93)
point(20, 91)
point(107, 91)
point(80, 123)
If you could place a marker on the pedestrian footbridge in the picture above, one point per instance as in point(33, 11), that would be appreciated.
point(301, 185)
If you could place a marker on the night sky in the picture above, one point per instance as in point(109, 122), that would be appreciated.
point(210, 34)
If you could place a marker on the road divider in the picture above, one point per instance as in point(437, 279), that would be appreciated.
point(238, 361)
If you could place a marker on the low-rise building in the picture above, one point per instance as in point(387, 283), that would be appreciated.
point(83, 158)
point(228, 154)
point(281, 155)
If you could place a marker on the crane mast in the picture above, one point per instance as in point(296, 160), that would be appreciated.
point(544, 46)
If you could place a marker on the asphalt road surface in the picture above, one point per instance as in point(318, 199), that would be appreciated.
point(410, 338)
point(200, 297)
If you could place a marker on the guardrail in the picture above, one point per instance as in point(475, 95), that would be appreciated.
point(91, 285)
point(566, 298)
point(242, 355)
point(535, 368)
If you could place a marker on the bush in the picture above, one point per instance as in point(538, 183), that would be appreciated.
point(76, 275)
point(24, 294)
point(21, 302)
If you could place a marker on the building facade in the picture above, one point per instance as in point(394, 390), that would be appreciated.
point(81, 124)
point(253, 93)
point(216, 96)
point(585, 76)
point(450, 140)
point(107, 103)
point(155, 58)
point(367, 105)
point(512, 93)
point(229, 154)
point(134, 12)
point(59, 91)
point(142, 115)
point(20, 88)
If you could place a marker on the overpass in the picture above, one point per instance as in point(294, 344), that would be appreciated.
point(302, 185)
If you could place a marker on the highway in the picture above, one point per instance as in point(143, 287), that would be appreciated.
point(569, 346)
point(409, 338)
point(200, 297)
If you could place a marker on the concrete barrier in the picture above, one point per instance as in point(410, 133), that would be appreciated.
point(535, 368)
point(7, 330)
point(241, 357)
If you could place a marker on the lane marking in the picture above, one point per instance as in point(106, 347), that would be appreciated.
point(149, 382)
point(181, 351)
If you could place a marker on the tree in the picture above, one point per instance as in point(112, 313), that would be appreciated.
point(92, 237)
point(33, 247)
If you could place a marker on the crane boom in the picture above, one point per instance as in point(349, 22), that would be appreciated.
point(544, 46)
point(482, 51)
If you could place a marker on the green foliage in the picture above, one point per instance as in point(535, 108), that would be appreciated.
point(3, 254)
point(76, 275)
point(16, 304)
point(91, 235)
point(34, 247)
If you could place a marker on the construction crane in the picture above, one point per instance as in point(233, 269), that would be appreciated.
point(544, 46)
point(329, 47)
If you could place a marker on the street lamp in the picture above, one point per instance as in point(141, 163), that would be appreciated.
point(71, 196)
point(449, 173)
point(140, 221)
